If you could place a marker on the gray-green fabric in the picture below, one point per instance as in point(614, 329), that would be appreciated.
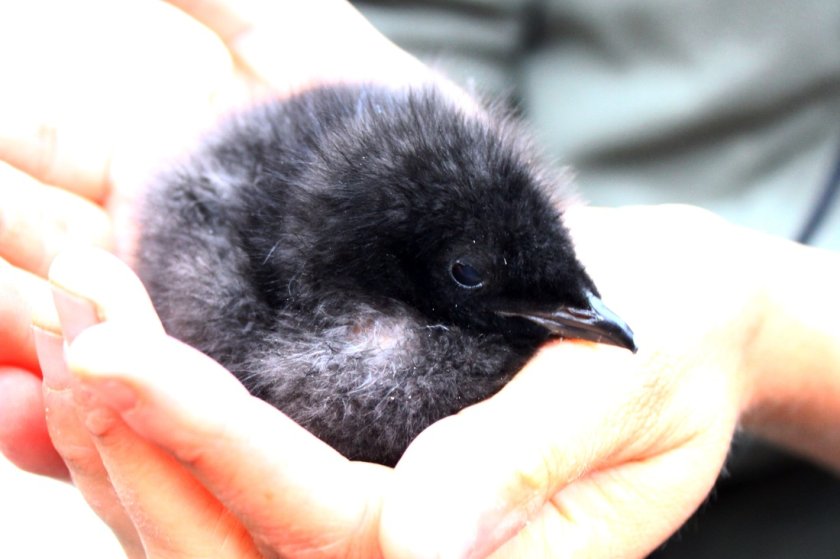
point(729, 104)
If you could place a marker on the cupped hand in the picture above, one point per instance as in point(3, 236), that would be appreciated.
point(590, 451)
point(98, 94)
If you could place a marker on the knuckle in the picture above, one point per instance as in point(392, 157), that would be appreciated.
point(45, 163)
point(81, 459)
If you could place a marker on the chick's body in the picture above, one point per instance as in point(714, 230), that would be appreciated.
point(360, 257)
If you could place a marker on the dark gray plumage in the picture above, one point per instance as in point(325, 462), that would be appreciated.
point(368, 260)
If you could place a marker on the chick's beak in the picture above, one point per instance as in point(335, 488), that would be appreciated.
point(594, 323)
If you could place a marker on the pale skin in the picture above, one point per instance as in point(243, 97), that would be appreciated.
point(590, 451)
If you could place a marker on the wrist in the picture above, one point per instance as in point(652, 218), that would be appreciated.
point(792, 360)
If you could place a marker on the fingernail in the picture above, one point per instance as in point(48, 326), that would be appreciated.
point(76, 313)
point(50, 349)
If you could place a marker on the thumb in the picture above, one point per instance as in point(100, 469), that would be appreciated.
point(581, 454)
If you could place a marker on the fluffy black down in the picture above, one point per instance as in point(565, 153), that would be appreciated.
point(306, 245)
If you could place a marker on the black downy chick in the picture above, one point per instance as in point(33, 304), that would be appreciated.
point(368, 260)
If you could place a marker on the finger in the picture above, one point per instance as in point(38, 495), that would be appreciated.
point(92, 285)
point(74, 270)
point(80, 89)
point(626, 512)
point(24, 298)
point(24, 439)
point(511, 455)
point(318, 498)
point(75, 446)
point(46, 127)
point(291, 45)
point(37, 221)
point(289, 489)
point(174, 514)
point(56, 150)
point(169, 507)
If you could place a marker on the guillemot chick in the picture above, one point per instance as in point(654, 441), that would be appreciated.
point(368, 260)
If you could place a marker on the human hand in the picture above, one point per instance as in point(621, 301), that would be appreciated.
point(95, 108)
point(71, 106)
point(397, 528)
point(678, 348)
point(762, 307)
point(92, 108)
point(589, 451)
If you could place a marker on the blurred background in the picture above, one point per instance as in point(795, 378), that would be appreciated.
point(733, 105)
point(42, 518)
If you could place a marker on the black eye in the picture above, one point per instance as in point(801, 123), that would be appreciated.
point(466, 276)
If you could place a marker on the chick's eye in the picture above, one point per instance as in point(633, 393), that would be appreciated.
point(466, 276)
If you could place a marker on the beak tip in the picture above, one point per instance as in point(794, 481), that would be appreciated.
point(594, 323)
point(619, 335)
point(631, 345)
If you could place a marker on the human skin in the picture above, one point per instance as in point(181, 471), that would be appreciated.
point(83, 125)
point(590, 451)
point(607, 460)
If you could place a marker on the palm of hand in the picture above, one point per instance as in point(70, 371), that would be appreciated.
point(572, 455)
point(588, 450)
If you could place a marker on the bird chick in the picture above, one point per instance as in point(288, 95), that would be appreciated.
point(368, 260)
